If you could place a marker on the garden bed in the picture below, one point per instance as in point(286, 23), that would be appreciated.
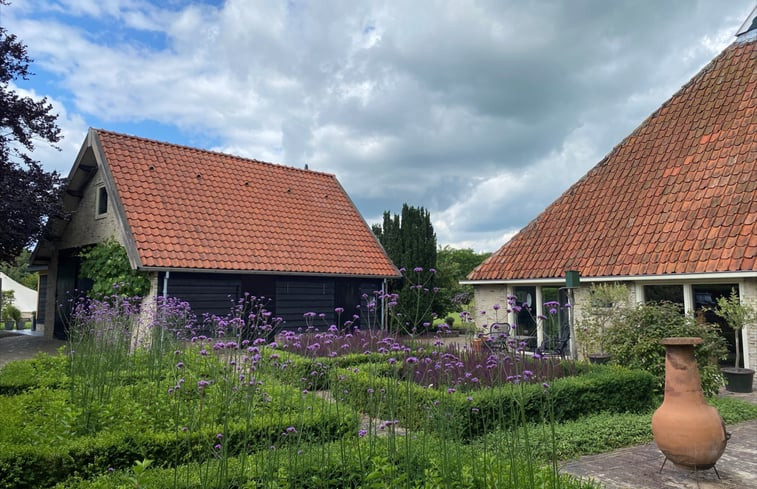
point(379, 391)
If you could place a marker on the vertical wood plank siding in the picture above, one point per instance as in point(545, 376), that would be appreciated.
point(295, 297)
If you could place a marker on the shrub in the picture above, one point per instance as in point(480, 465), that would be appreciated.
point(107, 265)
point(41, 371)
point(607, 303)
point(31, 466)
point(354, 463)
point(374, 390)
point(634, 341)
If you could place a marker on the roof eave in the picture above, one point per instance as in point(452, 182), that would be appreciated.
point(266, 272)
point(679, 277)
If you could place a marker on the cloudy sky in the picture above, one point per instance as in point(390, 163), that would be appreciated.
point(481, 111)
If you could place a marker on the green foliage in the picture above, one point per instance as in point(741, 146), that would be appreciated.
point(634, 341)
point(737, 315)
point(12, 312)
point(409, 238)
point(7, 298)
point(356, 463)
point(410, 242)
point(54, 453)
point(107, 265)
point(603, 432)
point(18, 270)
point(605, 308)
point(29, 193)
point(453, 265)
point(463, 415)
point(42, 371)
point(734, 410)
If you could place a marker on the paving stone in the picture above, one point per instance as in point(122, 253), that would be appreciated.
point(639, 467)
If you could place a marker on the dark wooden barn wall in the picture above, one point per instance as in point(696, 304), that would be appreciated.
point(288, 297)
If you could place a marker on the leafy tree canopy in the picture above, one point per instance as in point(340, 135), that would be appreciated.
point(30, 194)
point(453, 265)
point(18, 270)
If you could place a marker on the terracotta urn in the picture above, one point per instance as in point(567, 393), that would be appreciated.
point(687, 430)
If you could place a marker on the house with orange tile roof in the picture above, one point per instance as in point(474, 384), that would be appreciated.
point(209, 227)
point(670, 212)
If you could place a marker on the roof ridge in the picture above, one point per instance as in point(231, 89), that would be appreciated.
point(212, 152)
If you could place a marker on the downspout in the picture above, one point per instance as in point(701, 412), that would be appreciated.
point(165, 285)
point(383, 305)
point(165, 296)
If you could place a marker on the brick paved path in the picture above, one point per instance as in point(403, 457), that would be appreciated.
point(639, 467)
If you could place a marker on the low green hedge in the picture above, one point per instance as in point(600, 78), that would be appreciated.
point(349, 463)
point(373, 389)
point(23, 465)
point(41, 371)
point(313, 373)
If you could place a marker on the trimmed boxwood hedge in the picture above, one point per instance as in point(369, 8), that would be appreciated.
point(25, 466)
point(313, 373)
point(465, 415)
point(349, 463)
point(41, 371)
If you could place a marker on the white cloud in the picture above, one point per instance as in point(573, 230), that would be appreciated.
point(482, 112)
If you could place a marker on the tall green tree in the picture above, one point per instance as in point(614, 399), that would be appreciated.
point(29, 194)
point(410, 242)
point(453, 265)
point(408, 238)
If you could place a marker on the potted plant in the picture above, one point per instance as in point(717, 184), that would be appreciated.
point(11, 315)
point(602, 310)
point(737, 315)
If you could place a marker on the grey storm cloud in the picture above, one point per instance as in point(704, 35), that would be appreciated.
point(482, 112)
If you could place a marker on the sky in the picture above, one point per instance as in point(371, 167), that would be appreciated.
point(483, 112)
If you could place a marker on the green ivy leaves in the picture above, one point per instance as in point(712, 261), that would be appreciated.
point(107, 265)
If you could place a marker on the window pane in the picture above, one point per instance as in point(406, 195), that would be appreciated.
point(664, 293)
point(102, 201)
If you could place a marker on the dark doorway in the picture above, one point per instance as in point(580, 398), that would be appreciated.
point(69, 287)
point(705, 297)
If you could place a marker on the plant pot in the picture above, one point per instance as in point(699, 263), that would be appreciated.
point(738, 379)
point(476, 344)
point(9, 324)
point(599, 358)
point(21, 324)
point(687, 430)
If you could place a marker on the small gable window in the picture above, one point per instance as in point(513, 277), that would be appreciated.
point(102, 201)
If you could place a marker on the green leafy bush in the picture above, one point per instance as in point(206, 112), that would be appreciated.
point(354, 463)
point(634, 341)
point(42, 371)
point(41, 465)
point(314, 373)
point(107, 265)
point(464, 415)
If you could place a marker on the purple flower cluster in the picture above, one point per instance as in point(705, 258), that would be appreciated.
point(454, 369)
point(332, 343)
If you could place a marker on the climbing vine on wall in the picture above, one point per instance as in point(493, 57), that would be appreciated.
point(107, 265)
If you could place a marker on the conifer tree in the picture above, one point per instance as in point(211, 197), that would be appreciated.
point(410, 242)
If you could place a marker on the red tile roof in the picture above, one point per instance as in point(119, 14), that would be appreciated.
point(679, 195)
point(194, 209)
